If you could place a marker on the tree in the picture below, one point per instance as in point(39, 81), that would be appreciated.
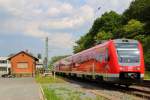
point(108, 22)
point(139, 10)
point(103, 36)
point(145, 40)
point(83, 43)
point(133, 28)
point(39, 56)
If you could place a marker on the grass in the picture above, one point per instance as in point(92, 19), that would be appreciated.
point(58, 89)
point(50, 94)
point(44, 81)
point(48, 79)
point(147, 75)
point(63, 91)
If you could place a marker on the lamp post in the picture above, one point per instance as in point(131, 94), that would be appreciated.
point(98, 9)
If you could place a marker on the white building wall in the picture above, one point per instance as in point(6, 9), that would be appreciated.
point(39, 64)
point(4, 65)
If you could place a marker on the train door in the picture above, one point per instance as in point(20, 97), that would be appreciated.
point(106, 64)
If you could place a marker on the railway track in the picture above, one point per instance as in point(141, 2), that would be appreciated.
point(114, 92)
point(146, 83)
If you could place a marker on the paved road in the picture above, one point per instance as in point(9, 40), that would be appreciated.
point(19, 89)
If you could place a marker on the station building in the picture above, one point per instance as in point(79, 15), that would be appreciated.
point(23, 63)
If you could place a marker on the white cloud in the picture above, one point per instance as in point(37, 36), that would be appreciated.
point(66, 7)
point(62, 40)
point(53, 18)
point(34, 10)
point(53, 11)
point(107, 5)
point(57, 39)
point(33, 29)
point(65, 23)
point(78, 18)
point(87, 12)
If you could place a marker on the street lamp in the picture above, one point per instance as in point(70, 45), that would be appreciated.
point(98, 9)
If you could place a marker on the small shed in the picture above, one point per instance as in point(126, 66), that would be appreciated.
point(23, 64)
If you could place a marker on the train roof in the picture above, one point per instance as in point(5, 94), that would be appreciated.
point(99, 45)
point(84, 51)
point(125, 41)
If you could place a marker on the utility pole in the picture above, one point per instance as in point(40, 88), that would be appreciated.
point(46, 53)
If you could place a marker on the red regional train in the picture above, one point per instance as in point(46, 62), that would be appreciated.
point(119, 61)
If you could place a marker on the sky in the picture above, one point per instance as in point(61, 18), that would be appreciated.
point(24, 24)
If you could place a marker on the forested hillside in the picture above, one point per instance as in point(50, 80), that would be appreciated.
point(134, 23)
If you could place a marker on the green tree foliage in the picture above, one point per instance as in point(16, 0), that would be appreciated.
point(110, 22)
point(139, 9)
point(84, 42)
point(103, 36)
point(39, 56)
point(133, 28)
point(145, 40)
point(146, 45)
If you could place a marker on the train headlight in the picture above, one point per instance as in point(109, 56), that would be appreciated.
point(137, 68)
point(122, 68)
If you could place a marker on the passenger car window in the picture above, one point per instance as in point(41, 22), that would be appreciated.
point(107, 55)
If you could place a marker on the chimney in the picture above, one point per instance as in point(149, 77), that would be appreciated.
point(27, 51)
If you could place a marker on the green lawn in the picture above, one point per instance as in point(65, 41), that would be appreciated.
point(147, 75)
point(58, 89)
point(64, 91)
point(50, 94)
point(44, 81)
point(48, 79)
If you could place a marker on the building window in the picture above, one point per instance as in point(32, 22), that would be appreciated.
point(22, 65)
point(3, 61)
point(3, 68)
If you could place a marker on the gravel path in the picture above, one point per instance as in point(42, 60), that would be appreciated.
point(113, 92)
point(19, 89)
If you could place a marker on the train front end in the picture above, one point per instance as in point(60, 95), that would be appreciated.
point(130, 60)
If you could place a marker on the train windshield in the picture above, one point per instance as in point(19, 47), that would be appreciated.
point(128, 53)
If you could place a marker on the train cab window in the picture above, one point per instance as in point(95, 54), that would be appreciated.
point(128, 53)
